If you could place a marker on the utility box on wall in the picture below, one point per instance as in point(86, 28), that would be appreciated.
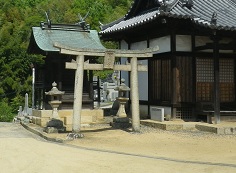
point(157, 113)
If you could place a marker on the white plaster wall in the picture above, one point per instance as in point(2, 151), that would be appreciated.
point(124, 74)
point(183, 43)
point(143, 111)
point(142, 76)
point(143, 82)
point(226, 40)
point(139, 45)
point(201, 41)
point(162, 42)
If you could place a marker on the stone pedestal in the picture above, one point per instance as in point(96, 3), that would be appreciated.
point(120, 122)
point(55, 126)
point(122, 101)
point(55, 104)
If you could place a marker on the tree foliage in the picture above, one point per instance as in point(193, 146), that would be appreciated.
point(6, 112)
point(16, 20)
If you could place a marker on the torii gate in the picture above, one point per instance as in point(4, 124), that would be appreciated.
point(109, 58)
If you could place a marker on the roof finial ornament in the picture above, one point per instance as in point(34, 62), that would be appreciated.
point(82, 22)
point(47, 13)
point(214, 18)
point(164, 6)
point(100, 24)
point(187, 3)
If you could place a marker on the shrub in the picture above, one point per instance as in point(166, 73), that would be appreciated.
point(6, 114)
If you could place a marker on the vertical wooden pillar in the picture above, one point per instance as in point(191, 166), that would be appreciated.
point(91, 94)
point(135, 95)
point(150, 83)
point(216, 80)
point(194, 76)
point(174, 75)
point(78, 93)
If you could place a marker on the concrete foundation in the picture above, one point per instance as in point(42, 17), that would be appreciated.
point(224, 128)
point(88, 116)
point(170, 125)
point(218, 129)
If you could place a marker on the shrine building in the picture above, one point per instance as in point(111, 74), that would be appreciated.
point(42, 42)
point(194, 70)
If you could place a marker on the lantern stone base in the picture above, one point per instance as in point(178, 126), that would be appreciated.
point(120, 122)
point(55, 126)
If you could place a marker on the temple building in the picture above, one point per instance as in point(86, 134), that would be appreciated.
point(42, 42)
point(194, 70)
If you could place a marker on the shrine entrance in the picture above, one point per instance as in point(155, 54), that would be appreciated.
point(109, 63)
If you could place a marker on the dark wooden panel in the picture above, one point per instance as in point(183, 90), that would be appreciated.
point(184, 65)
point(160, 76)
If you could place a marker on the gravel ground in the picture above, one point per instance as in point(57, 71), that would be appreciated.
point(104, 149)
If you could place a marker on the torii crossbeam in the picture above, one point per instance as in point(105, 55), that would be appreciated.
point(109, 63)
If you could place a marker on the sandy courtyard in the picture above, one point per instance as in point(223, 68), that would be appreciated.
point(206, 151)
point(104, 149)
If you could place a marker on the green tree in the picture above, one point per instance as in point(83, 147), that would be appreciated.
point(6, 114)
point(17, 17)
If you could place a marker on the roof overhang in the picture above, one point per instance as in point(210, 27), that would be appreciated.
point(200, 14)
point(43, 40)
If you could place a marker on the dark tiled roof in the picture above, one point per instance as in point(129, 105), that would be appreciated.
point(44, 39)
point(200, 14)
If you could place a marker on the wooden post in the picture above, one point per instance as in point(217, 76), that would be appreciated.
point(174, 75)
point(194, 76)
point(78, 93)
point(135, 95)
point(91, 94)
point(216, 81)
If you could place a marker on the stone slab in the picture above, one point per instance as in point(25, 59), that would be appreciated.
point(42, 113)
point(225, 118)
point(41, 117)
point(41, 121)
point(218, 129)
point(84, 119)
point(68, 128)
point(169, 125)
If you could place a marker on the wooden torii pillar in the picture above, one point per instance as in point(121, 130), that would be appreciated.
point(109, 58)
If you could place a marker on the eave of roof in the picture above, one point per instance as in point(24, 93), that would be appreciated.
point(199, 14)
point(44, 39)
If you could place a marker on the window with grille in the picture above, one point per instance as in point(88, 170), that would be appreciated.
point(205, 79)
point(227, 80)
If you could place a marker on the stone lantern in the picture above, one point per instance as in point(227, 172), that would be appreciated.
point(55, 125)
point(121, 120)
point(122, 90)
point(55, 99)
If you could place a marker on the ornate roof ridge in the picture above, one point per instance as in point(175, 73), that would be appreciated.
point(210, 14)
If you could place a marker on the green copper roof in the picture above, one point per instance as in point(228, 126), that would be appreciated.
point(44, 39)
